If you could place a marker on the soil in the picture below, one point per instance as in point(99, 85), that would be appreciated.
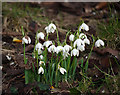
point(66, 16)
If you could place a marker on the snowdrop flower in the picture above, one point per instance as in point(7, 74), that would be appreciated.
point(26, 40)
point(86, 41)
point(67, 48)
point(81, 48)
point(39, 51)
point(62, 70)
point(84, 27)
point(65, 54)
point(47, 43)
point(41, 70)
point(8, 57)
point(82, 36)
point(78, 42)
point(52, 48)
point(40, 35)
point(38, 46)
point(71, 37)
point(41, 57)
point(41, 62)
point(59, 49)
point(75, 52)
point(99, 43)
point(50, 28)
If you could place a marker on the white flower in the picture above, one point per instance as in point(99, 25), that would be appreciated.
point(8, 57)
point(65, 54)
point(39, 51)
point(71, 37)
point(59, 49)
point(67, 48)
point(52, 48)
point(40, 35)
point(38, 46)
point(62, 70)
point(86, 41)
point(41, 57)
point(99, 43)
point(26, 40)
point(84, 27)
point(82, 36)
point(75, 52)
point(81, 48)
point(41, 62)
point(47, 43)
point(50, 28)
point(41, 70)
point(78, 42)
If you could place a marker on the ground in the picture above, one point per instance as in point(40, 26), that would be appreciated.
point(103, 74)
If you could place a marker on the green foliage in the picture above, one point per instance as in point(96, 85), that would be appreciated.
point(110, 31)
point(29, 76)
point(14, 90)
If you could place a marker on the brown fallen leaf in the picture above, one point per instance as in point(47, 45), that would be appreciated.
point(27, 48)
point(19, 59)
point(101, 5)
point(108, 50)
point(17, 40)
point(14, 72)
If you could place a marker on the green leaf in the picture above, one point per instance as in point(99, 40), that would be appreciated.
point(43, 86)
point(14, 90)
point(29, 76)
point(74, 91)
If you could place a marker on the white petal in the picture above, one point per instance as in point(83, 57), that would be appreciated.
point(87, 41)
point(84, 27)
point(98, 43)
point(62, 70)
point(71, 37)
point(40, 70)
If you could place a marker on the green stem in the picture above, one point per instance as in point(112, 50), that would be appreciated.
point(25, 60)
point(74, 66)
point(68, 66)
point(57, 37)
point(86, 65)
point(47, 36)
point(37, 59)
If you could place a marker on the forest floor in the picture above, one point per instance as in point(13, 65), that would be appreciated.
point(104, 22)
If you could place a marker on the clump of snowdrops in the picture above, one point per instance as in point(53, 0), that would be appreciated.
point(58, 67)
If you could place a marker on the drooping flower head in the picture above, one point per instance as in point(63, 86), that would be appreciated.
point(99, 43)
point(75, 52)
point(41, 62)
point(78, 42)
point(52, 48)
point(41, 70)
point(39, 48)
point(47, 43)
point(67, 48)
point(81, 48)
point(82, 36)
point(40, 36)
point(50, 28)
point(59, 49)
point(41, 57)
point(65, 54)
point(62, 70)
point(26, 40)
point(84, 27)
point(71, 37)
point(86, 41)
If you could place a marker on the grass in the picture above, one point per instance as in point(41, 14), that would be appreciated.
point(110, 31)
